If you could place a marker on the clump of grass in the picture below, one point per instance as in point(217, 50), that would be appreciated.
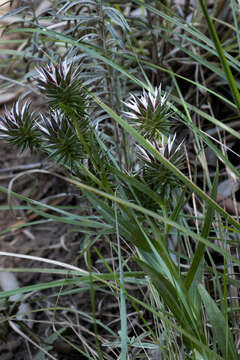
point(111, 128)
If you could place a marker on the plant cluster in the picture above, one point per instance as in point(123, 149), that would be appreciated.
point(67, 134)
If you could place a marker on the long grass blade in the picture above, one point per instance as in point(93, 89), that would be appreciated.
point(222, 58)
point(199, 253)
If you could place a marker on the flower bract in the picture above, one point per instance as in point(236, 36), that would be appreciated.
point(154, 173)
point(18, 126)
point(150, 114)
point(62, 86)
point(60, 138)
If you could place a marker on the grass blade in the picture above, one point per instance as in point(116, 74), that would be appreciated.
point(217, 321)
point(222, 58)
point(198, 257)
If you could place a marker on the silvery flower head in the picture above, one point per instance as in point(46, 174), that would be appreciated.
point(63, 88)
point(150, 113)
point(60, 139)
point(18, 126)
point(154, 173)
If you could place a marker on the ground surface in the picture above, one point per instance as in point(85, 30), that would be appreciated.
point(50, 240)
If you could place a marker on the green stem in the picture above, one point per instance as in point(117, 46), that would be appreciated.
point(166, 226)
point(82, 140)
point(92, 296)
point(91, 176)
point(222, 58)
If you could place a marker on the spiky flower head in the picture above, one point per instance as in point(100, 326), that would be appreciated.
point(18, 126)
point(60, 139)
point(63, 88)
point(150, 113)
point(154, 173)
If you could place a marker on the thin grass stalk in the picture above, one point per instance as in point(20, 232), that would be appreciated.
point(92, 296)
point(123, 310)
point(222, 58)
point(199, 253)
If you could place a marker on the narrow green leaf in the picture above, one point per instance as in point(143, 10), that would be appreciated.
point(199, 253)
point(218, 324)
point(123, 306)
point(235, 10)
point(165, 288)
point(181, 310)
point(144, 188)
point(222, 58)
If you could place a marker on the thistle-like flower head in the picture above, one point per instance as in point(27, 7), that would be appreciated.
point(150, 114)
point(159, 178)
point(60, 139)
point(18, 126)
point(63, 88)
